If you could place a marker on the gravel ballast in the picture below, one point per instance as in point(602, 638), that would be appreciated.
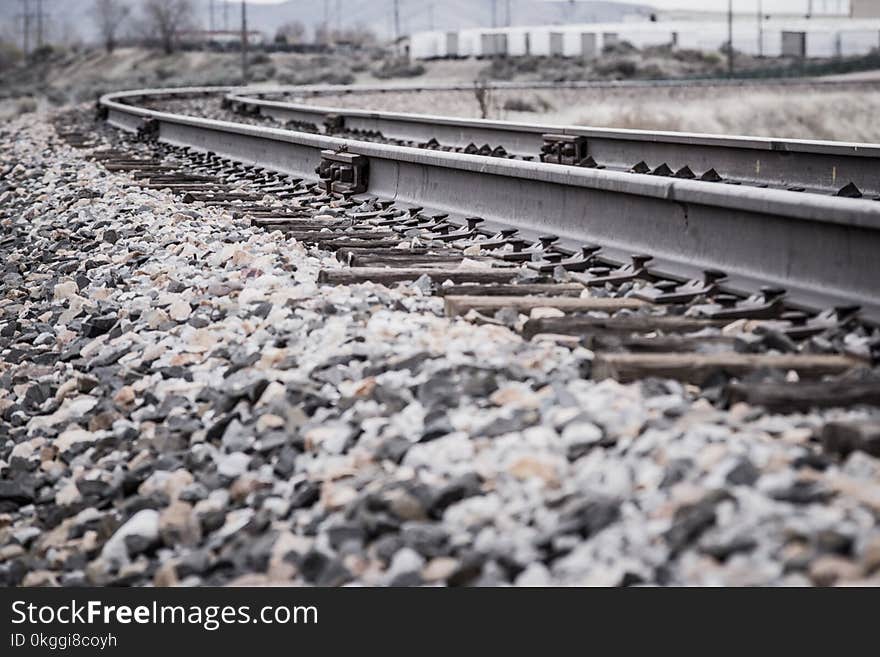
point(182, 403)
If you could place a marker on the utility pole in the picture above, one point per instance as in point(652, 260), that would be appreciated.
point(494, 13)
point(730, 38)
point(244, 71)
point(507, 13)
point(39, 23)
point(760, 28)
point(26, 27)
point(396, 24)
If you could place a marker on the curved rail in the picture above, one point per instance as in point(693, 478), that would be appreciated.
point(822, 249)
point(804, 165)
point(501, 85)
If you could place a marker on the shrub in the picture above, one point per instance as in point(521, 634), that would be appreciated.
point(619, 48)
point(258, 58)
point(398, 68)
point(10, 55)
point(315, 77)
point(617, 67)
point(518, 105)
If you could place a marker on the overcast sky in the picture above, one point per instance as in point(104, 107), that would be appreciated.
point(788, 6)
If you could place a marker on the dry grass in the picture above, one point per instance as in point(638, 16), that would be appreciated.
point(843, 116)
point(12, 107)
point(796, 112)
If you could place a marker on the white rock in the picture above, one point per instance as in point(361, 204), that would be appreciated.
point(180, 310)
point(144, 524)
point(65, 290)
point(72, 437)
point(535, 574)
point(543, 312)
point(405, 560)
point(69, 409)
point(233, 465)
point(331, 437)
point(581, 433)
point(155, 318)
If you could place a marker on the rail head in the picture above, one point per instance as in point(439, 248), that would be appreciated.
point(250, 97)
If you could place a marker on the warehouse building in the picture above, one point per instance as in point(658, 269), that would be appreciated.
point(808, 38)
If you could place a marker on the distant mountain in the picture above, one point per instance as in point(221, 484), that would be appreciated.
point(69, 18)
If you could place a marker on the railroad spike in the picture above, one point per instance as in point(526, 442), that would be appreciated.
point(524, 251)
point(501, 238)
point(578, 262)
point(767, 304)
point(600, 276)
point(672, 292)
point(801, 326)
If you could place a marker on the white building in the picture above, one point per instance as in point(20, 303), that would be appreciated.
point(823, 37)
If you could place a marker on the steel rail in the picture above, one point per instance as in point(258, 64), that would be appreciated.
point(501, 85)
point(807, 165)
point(824, 250)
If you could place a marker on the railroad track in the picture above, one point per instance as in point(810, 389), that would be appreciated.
point(217, 417)
point(540, 249)
point(821, 248)
point(823, 167)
